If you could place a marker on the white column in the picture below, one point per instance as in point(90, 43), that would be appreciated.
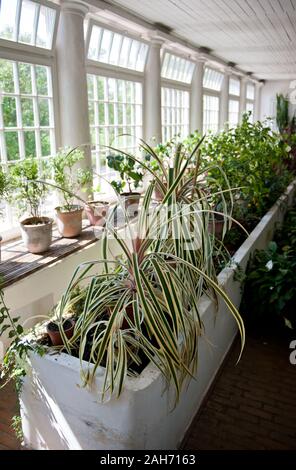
point(224, 101)
point(152, 94)
point(257, 111)
point(242, 98)
point(196, 96)
point(72, 84)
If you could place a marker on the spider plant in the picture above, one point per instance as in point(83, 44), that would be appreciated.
point(145, 304)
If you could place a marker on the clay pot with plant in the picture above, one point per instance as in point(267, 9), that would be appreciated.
point(53, 330)
point(70, 180)
point(97, 212)
point(131, 175)
point(28, 192)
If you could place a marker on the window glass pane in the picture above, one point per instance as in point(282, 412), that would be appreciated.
point(234, 86)
point(116, 49)
point(6, 76)
point(30, 144)
point(25, 78)
point(27, 112)
point(233, 113)
point(105, 46)
point(44, 112)
point(45, 27)
point(42, 80)
point(175, 113)
point(210, 113)
point(7, 18)
point(27, 20)
point(12, 145)
point(212, 79)
point(9, 111)
point(45, 143)
point(177, 68)
point(250, 91)
point(94, 43)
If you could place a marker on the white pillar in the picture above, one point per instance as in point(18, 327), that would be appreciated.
point(224, 101)
point(242, 98)
point(72, 84)
point(196, 96)
point(257, 111)
point(152, 93)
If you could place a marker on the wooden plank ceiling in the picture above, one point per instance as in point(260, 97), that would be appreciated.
point(258, 35)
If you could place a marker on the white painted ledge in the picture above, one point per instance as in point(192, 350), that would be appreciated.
point(58, 414)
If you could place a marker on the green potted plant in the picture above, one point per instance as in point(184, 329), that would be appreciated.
point(96, 210)
point(138, 311)
point(28, 192)
point(131, 175)
point(69, 180)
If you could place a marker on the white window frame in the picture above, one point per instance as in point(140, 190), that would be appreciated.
point(249, 101)
point(95, 63)
point(26, 53)
point(174, 84)
point(94, 67)
point(211, 92)
point(19, 46)
point(232, 97)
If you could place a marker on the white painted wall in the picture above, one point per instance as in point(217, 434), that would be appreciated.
point(268, 96)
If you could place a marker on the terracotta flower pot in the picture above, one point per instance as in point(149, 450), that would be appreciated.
point(216, 227)
point(53, 331)
point(37, 233)
point(157, 193)
point(69, 222)
point(131, 203)
point(97, 212)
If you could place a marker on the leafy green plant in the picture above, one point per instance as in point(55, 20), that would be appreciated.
point(144, 306)
point(26, 189)
point(252, 157)
point(130, 173)
point(282, 112)
point(69, 179)
point(270, 282)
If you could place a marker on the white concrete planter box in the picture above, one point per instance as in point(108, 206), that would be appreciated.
point(58, 414)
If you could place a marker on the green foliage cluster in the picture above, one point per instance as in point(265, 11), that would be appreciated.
point(130, 172)
point(69, 179)
point(26, 188)
point(270, 281)
point(252, 157)
point(282, 112)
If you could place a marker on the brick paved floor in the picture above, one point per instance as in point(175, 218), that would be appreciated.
point(251, 405)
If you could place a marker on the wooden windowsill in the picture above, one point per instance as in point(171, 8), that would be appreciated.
point(17, 262)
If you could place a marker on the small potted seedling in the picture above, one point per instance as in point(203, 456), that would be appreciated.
point(131, 176)
point(28, 192)
point(69, 180)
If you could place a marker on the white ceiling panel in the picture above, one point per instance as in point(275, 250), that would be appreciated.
point(258, 35)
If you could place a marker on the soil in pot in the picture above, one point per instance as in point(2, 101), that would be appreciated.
point(69, 222)
point(131, 203)
point(54, 332)
point(97, 212)
point(37, 233)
